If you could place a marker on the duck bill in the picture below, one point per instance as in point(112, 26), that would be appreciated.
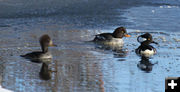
point(53, 45)
point(154, 42)
point(126, 35)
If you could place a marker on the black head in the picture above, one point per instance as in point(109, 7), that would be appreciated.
point(120, 32)
point(146, 39)
point(45, 42)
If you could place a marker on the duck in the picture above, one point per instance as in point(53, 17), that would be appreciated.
point(145, 49)
point(112, 38)
point(45, 41)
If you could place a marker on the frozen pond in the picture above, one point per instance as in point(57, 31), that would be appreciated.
point(80, 66)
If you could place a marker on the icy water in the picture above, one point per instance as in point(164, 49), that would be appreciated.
point(81, 66)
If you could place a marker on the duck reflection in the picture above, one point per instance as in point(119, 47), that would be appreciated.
point(119, 51)
point(145, 64)
point(45, 72)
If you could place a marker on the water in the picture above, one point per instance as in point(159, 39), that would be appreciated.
point(80, 66)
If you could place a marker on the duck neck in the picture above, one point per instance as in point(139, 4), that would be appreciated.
point(115, 35)
point(145, 43)
point(44, 48)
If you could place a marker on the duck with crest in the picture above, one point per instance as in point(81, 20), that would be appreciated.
point(145, 49)
point(45, 42)
point(112, 38)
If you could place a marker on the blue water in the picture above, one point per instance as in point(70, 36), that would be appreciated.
point(81, 66)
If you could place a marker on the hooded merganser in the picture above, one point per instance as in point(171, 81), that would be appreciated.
point(145, 49)
point(112, 38)
point(45, 42)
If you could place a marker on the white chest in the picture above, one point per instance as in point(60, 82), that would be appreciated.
point(116, 41)
point(46, 55)
point(147, 53)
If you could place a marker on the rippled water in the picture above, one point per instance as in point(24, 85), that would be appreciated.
point(81, 66)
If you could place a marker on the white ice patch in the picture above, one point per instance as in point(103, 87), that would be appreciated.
point(4, 90)
point(168, 6)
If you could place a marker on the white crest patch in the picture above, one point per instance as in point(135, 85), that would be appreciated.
point(141, 39)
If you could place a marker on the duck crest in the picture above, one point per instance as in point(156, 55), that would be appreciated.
point(44, 42)
point(145, 49)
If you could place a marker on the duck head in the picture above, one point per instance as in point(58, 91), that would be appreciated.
point(146, 39)
point(45, 42)
point(120, 32)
